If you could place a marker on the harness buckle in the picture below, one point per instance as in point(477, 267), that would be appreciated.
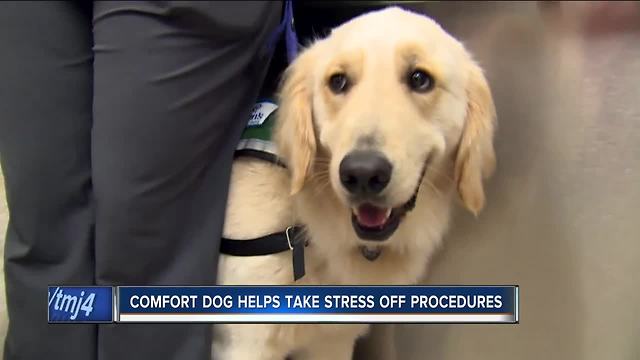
point(289, 237)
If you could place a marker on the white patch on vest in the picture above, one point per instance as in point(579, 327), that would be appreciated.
point(261, 112)
point(257, 145)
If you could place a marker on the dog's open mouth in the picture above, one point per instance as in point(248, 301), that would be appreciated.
point(375, 223)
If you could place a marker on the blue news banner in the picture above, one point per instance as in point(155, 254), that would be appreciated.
point(76, 304)
point(285, 304)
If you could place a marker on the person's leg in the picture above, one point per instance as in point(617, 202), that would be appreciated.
point(174, 85)
point(45, 124)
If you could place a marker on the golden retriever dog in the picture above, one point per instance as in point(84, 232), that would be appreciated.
point(380, 125)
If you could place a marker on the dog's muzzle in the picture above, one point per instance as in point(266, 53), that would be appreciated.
point(385, 222)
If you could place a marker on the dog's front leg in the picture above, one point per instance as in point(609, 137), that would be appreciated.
point(379, 344)
point(247, 352)
point(246, 342)
point(337, 349)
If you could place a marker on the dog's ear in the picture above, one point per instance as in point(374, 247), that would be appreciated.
point(294, 131)
point(475, 158)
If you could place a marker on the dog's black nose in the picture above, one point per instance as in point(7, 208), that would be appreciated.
point(365, 172)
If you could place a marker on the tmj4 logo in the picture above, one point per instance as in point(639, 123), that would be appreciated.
point(71, 305)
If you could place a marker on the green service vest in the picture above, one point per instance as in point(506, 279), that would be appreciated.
point(256, 139)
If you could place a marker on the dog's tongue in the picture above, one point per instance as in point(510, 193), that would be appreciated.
point(372, 216)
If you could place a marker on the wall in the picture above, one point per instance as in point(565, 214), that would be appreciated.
point(564, 207)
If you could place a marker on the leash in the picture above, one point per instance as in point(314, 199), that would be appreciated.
point(286, 28)
point(292, 238)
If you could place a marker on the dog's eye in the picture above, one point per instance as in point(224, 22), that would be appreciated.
point(338, 83)
point(420, 81)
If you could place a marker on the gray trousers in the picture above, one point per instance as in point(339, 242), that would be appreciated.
point(117, 130)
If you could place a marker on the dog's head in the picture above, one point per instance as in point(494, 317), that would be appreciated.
point(376, 105)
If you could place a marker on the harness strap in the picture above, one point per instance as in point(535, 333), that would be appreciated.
point(262, 155)
point(291, 239)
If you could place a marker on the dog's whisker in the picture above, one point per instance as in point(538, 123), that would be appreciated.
point(322, 171)
point(322, 160)
point(433, 187)
point(441, 174)
point(319, 179)
point(322, 183)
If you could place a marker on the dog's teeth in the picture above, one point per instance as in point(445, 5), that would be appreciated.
point(388, 213)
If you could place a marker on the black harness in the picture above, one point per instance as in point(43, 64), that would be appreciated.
point(256, 143)
point(292, 239)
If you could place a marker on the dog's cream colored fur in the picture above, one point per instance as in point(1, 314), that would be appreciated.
point(450, 128)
